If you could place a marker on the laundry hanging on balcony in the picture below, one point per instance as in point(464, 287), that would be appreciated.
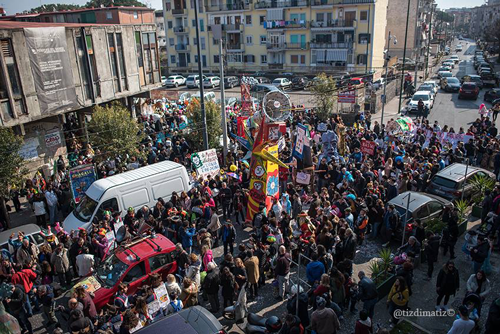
point(281, 24)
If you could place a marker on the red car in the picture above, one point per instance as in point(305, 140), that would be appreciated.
point(131, 264)
point(469, 90)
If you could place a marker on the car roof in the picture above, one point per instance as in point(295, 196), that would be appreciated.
point(422, 92)
point(430, 82)
point(26, 229)
point(468, 83)
point(144, 248)
point(456, 171)
point(417, 199)
point(193, 320)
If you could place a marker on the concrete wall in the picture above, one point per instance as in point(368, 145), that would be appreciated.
point(396, 24)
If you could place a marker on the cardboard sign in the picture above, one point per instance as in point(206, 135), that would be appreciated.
point(347, 97)
point(53, 139)
point(298, 150)
point(206, 163)
point(368, 147)
point(90, 284)
point(303, 178)
point(153, 308)
point(162, 295)
point(80, 179)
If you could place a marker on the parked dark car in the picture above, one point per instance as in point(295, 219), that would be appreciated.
point(300, 83)
point(421, 206)
point(452, 180)
point(469, 90)
point(473, 78)
point(230, 82)
point(492, 94)
point(263, 80)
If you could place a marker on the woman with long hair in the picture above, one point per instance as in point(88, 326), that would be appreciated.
point(398, 297)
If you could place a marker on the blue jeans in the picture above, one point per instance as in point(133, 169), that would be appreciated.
point(369, 306)
point(52, 214)
point(374, 231)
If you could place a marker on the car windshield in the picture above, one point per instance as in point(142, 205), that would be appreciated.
point(469, 86)
point(110, 271)
point(171, 78)
point(447, 183)
point(453, 80)
point(276, 81)
point(426, 88)
point(446, 74)
point(85, 209)
point(418, 97)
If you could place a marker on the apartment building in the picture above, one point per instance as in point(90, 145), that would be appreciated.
point(160, 30)
point(483, 19)
point(302, 36)
point(49, 71)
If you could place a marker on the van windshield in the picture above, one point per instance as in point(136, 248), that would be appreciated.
point(85, 209)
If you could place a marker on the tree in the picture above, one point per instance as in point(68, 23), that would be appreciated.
point(109, 3)
point(113, 132)
point(54, 7)
point(214, 128)
point(12, 170)
point(444, 17)
point(323, 90)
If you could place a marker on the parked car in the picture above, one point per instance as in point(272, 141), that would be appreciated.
point(426, 98)
point(260, 90)
point(192, 320)
point(263, 80)
point(175, 81)
point(444, 75)
point(378, 84)
point(207, 96)
point(231, 81)
point(193, 81)
point(449, 63)
point(31, 231)
point(473, 78)
point(300, 82)
point(458, 48)
point(132, 264)
point(426, 88)
point(163, 80)
point(469, 90)
point(282, 83)
point(211, 82)
point(455, 58)
point(492, 94)
point(420, 206)
point(451, 181)
point(434, 84)
point(489, 79)
point(451, 84)
point(444, 69)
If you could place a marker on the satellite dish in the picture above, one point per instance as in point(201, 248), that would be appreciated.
point(276, 106)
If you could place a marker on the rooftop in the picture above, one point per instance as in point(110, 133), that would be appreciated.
point(24, 24)
point(78, 10)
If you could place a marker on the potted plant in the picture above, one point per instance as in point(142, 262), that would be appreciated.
point(480, 183)
point(382, 273)
point(462, 206)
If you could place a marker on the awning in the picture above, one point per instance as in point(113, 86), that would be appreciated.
point(336, 55)
point(320, 55)
point(275, 14)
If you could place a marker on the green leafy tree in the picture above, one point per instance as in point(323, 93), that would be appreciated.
point(13, 169)
point(113, 132)
point(108, 3)
point(54, 7)
point(323, 90)
point(445, 17)
point(214, 128)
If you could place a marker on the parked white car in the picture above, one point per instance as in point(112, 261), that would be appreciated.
point(455, 58)
point(211, 82)
point(193, 81)
point(282, 83)
point(379, 84)
point(434, 84)
point(426, 98)
point(175, 81)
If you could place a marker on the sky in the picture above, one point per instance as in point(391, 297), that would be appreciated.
point(17, 6)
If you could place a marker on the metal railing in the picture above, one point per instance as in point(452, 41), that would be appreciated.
point(182, 47)
point(315, 3)
point(181, 29)
point(232, 27)
point(177, 11)
point(318, 45)
point(227, 7)
point(275, 46)
point(281, 4)
point(235, 47)
point(291, 25)
point(332, 24)
point(297, 46)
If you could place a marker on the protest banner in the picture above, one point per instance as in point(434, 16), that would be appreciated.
point(80, 179)
point(368, 147)
point(162, 295)
point(206, 163)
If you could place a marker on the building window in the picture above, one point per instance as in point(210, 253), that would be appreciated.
point(195, 41)
point(249, 40)
point(298, 59)
point(83, 66)
point(93, 65)
point(171, 41)
point(109, 15)
point(11, 79)
point(202, 26)
point(121, 61)
point(193, 23)
point(248, 20)
point(263, 59)
point(204, 60)
point(114, 64)
point(203, 44)
point(249, 59)
point(152, 73)
point(216, 59)
point(363, 15)
point(364, 38)
point(263, 39)
point(136, 16)
point(361, 60)
point(170, 24)
point(172, 60)
point(196, 58)
point(215, 41)
point(262, 19)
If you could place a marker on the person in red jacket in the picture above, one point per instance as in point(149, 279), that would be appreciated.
point(25, 278)
point(364, 324)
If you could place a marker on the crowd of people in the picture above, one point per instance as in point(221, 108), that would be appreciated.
point(324, 223)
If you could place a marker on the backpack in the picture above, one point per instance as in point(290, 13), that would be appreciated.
point(177, 307)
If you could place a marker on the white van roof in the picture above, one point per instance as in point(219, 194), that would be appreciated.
point(97, 189)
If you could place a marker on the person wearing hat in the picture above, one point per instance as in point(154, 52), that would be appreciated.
point(324, 320)
point(463, 325)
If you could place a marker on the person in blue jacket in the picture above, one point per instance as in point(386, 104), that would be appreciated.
point(314, 269)
point(187, 235)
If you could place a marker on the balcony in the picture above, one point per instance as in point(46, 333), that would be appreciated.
point(275, 46)
point(183, 48)
point(235, 47)
point(352, 2)
point(297, 46)
point(179, 12)
point(281, 4)
point(227, 7)
point(324, 25)
point(322, 3)
point(287, 25)
point(343, 45)
point(233, 28)
point(181, 30)
point(275, 66)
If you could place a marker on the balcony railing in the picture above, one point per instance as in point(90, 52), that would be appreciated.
point(281, 4)
point(332, 24)
point(235, 47)
point(180, 11)
point(276, 66)
point(344, 45)
point(315, 3)
point(181, 30)
point(232, 27)
point(221, 7)
point(297, 46)
point(182, 47)
point(349, 2)
point(289, 25)
point(275, 46)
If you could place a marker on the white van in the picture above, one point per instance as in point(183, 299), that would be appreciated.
point(136, 188)
point(209, 96)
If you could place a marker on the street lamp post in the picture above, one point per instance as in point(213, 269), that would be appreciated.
point(386, 68)
point(428, 44)
point(404, 58)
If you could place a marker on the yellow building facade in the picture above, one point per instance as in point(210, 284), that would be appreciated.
point(299, 36)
